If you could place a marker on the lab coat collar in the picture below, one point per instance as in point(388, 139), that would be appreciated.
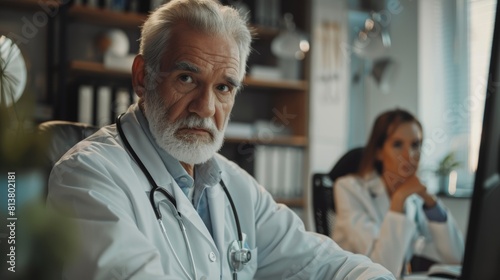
point(218, 206)
point(144, 149)
point(187, 211)
point(154, 164)
point(376, 188)
point(374, 184)
point(173, 165)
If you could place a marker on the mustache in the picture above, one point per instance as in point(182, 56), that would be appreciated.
point(194, 121)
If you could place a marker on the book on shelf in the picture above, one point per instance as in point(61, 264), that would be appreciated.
point(288, 167)
point(85, 104)
point(122, 101)
point(279, 169)
point(260, 171)
point(103, 102)
point(276, 187)
point(104, 96)
point(239, 130)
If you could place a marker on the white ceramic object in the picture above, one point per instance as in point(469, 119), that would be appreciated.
point(14, 75)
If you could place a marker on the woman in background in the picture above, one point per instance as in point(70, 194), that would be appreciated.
point(384, 211)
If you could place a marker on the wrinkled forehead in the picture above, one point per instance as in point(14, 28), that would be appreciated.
point(189, 46)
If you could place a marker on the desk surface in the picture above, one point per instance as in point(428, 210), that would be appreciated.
point(421, 277)
point(453, 272)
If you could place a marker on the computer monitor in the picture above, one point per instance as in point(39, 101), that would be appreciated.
point(482, 247)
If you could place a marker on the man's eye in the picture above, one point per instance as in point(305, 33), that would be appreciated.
point(186, 78)
point(223, 88)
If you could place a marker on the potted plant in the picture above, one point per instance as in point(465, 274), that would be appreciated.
point(446, 165)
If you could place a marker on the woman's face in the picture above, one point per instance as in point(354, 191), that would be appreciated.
point(400, 153)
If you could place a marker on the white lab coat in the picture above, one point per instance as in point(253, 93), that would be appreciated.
point(364, 224)
point(120, 238)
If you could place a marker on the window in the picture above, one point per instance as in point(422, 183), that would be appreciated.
point(455, 39)
point(481, 23)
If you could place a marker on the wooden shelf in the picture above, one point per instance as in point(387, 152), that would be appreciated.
point(298, 141)
point(106, 17)
point(292, 202)
point(26, 4)
point(96, 68)
point(289, 94)
point(295, 85)
point(98, 16)
point(263, 32)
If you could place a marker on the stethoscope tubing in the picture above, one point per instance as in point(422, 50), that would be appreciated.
point(186, 240)
point(171, 201)
point(173, 204)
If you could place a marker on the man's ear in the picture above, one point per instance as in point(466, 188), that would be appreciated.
point(138, 75)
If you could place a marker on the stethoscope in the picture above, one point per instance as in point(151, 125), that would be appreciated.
point(237, 255)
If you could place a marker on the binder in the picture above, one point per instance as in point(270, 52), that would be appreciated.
point(85, 104)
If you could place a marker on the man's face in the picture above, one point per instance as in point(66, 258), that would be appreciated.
point(194, 95)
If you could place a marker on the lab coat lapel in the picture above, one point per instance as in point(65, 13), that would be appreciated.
point(155, 166)
point(185, 207)
point(218, 204)
point(143, 147)
point(379, 197)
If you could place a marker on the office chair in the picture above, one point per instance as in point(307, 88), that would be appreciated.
point(322, 193)
point(62, 136)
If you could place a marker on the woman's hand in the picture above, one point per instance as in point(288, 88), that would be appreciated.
point(410, 186)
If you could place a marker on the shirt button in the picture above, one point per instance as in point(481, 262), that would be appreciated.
point(183, 179)
point(212, 257)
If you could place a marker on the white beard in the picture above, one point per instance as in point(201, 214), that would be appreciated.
point(190, 149)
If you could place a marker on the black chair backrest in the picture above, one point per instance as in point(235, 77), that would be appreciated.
point(347, 164)
point(62, 136)
point(322, 183)
point(322, 194)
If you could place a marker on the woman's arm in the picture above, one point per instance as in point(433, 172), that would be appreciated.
point(385, 239)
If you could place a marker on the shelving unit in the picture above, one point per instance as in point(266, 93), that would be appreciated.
point(105, 17)
point(260, 98)
point(23, 5)
point(90, 68)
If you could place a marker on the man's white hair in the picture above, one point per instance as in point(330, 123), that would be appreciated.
point(204, 15)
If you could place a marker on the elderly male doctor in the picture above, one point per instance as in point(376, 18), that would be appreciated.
point(191, 64)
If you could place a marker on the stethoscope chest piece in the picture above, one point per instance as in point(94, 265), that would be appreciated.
point(238, 256)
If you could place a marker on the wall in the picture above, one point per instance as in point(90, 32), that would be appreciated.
point(334, 109)
point(404, 51)
point(342, 113)
point(328, 87)
point(333, 103)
